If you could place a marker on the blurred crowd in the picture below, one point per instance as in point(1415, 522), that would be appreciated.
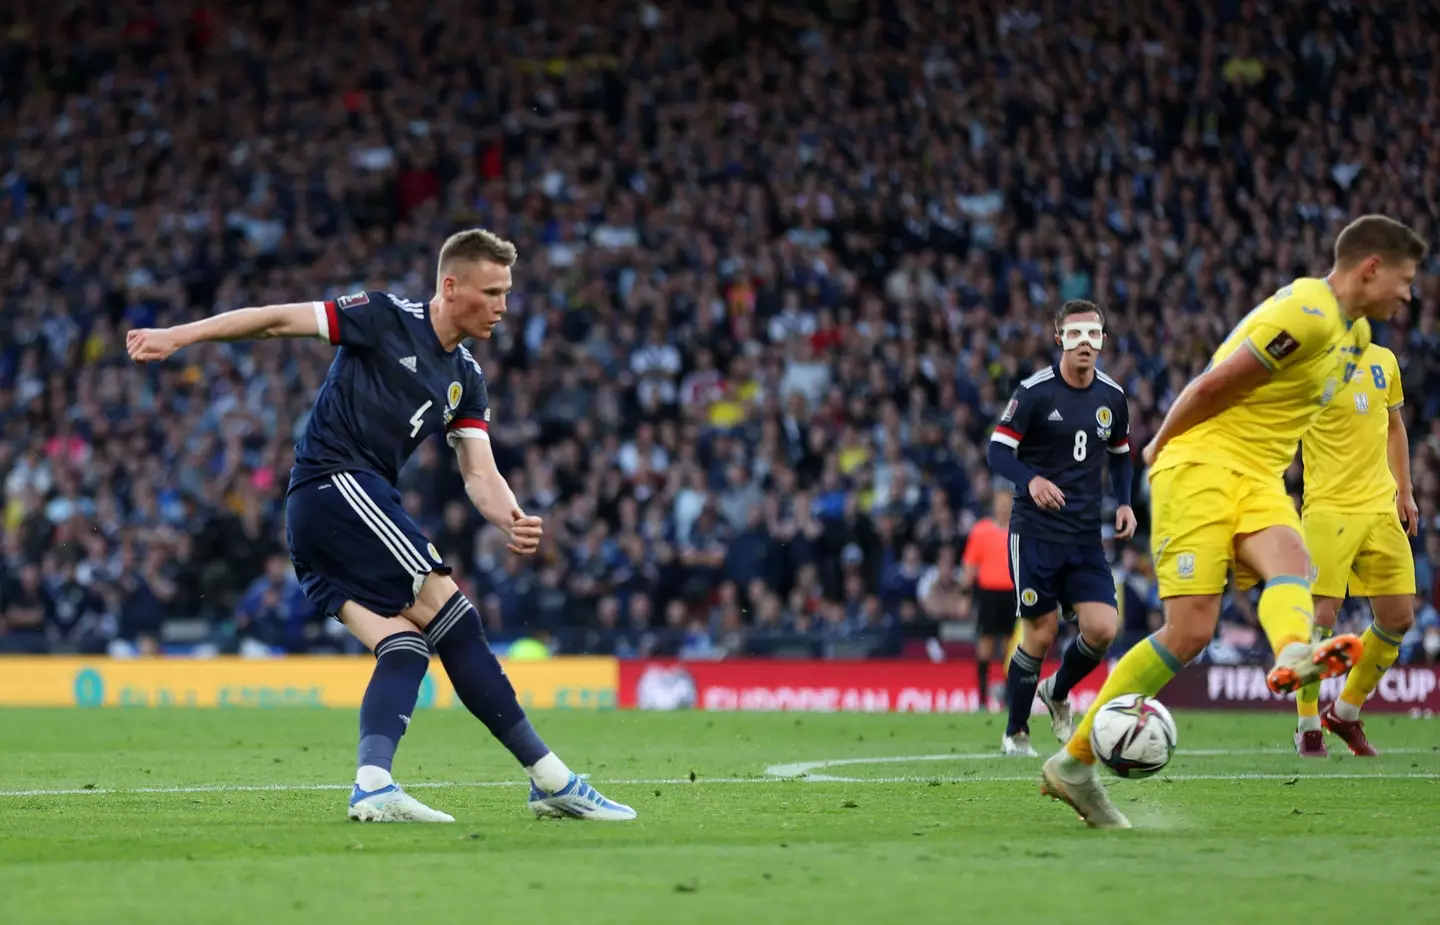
point(781, 265)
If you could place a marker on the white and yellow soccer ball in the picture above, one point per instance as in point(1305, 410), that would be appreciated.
point(1133, 735)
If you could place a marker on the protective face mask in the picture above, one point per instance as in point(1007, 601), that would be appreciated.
point(1084, 332)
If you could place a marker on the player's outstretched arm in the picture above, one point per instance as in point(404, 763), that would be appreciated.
point(1214, 390)
point(302, 319)
point(492, 497)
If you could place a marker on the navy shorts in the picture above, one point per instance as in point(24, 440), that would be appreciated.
point(351, 540)
point(1048, 575)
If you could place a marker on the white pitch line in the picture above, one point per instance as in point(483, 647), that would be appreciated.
point(805, 768)
point(299, 788)
point(1032, 778)
point(685, 781)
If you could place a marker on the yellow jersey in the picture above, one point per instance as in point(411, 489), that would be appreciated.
point(1347, 463)
point(1302, 335)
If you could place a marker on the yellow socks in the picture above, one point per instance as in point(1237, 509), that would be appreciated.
point(1307, 699)
point(1381, 650)
point(1143, 670)
point(1286, 611)
point(1307, 707)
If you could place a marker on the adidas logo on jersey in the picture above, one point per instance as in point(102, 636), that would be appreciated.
point(408, 363)
point(1055, 415)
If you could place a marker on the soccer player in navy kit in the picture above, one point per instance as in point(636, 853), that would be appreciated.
point(400, 376)
point(1052, 442)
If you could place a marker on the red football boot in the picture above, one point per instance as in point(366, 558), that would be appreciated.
point(1311, 744)
point(1351, 732)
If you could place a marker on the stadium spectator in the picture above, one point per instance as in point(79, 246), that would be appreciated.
point(778, 264)
point(28, 607)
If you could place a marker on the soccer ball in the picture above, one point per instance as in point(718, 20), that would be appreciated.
point(1133, 735)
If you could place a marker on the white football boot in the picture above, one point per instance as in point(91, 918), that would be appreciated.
point(391, 804)
point(1079, 785)
point(577, 800)
point(1062, 720)
point(1017, 746)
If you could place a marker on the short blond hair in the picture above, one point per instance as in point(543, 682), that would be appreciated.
point(1377, 236)
point(474, 245)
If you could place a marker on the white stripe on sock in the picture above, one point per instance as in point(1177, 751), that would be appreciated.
point(447, 618)
point(402, 643)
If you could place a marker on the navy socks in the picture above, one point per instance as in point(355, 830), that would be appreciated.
point(400, 665)
point(1021, 682)
point(1078, 661)
point(480, 682)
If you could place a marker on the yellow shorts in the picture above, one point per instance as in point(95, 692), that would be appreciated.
point(1367, 555)
point(1197, 511)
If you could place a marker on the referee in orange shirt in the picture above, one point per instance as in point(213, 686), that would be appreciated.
point(987, 574)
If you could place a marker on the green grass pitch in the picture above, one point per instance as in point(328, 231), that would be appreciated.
point(211, 816)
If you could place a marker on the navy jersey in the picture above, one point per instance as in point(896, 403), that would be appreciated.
point(1064, 434)
point(391, 386)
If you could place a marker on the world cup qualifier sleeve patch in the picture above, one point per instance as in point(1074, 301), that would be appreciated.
point(352, 300)
point(1282, 345)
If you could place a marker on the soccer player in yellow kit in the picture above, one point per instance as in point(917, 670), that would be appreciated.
point(1217, 469)
point(1359, 507)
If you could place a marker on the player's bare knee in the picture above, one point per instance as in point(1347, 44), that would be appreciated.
point(1189, 625)
point(1395, 613)
point(1186, 643)
point(437, 589)
point(1102, 637)
point(1327, 610)
point(1098, 624)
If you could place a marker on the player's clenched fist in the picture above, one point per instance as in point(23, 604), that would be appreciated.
point(525, 533)
point(1124, 522)
point(148, 345)
point(1045, 493)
